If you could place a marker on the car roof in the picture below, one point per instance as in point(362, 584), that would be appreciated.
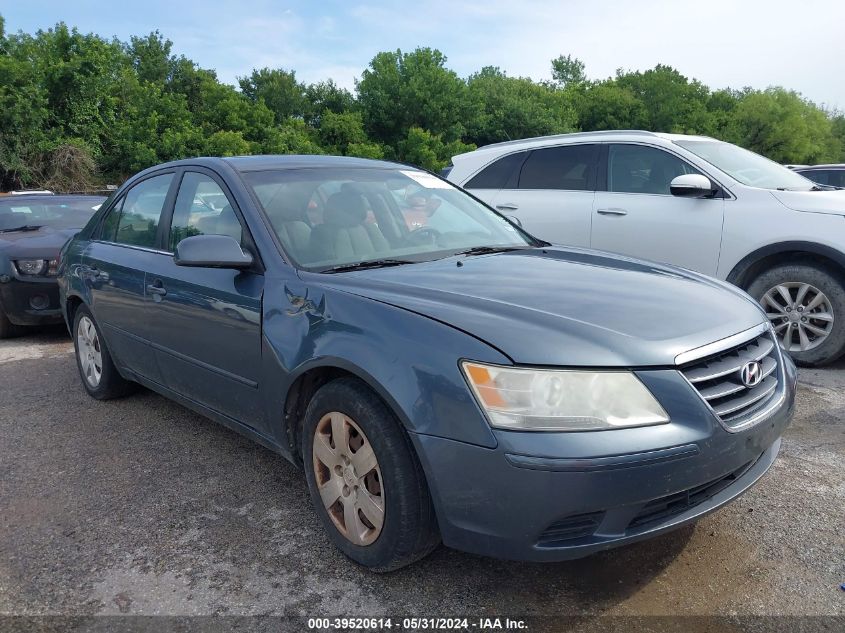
point(812, 167)
point(599, 136)
point(288, 161)
point(50, 199)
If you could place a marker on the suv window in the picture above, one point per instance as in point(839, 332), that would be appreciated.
point(498, 175)
point(642, 169)
point(570, 167)
point(202, 208)
point(134, 219)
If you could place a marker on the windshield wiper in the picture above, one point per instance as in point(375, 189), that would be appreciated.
point(484, 250)
point(25, 227)
point(372, 263)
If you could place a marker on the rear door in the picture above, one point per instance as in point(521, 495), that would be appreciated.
point(551, 191)
point(205, 323)
point(638, 216)
point(114, 263)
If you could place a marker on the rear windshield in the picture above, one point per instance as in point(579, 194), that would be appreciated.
point(60, 213)
point(328, 218)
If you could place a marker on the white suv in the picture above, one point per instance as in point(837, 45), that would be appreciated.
point(691, 201)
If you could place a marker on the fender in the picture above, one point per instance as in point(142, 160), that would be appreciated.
point(738, 276)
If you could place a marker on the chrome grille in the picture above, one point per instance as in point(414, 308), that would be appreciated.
point(718, 379)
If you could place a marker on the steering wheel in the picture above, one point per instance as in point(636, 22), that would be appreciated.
point(419, 235)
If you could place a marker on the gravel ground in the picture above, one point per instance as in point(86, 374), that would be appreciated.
point(139, 506)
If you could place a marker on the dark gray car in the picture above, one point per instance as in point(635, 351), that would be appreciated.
point(438, 372)
point(33, 228)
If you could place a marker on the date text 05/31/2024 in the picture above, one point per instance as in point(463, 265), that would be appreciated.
point(414, 624)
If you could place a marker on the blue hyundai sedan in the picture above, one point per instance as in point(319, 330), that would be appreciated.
point(438, 373)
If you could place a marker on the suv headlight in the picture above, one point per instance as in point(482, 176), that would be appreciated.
point(35, 267)
point(562, 400)
point(31, 266)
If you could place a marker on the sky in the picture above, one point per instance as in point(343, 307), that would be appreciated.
point(723, 43)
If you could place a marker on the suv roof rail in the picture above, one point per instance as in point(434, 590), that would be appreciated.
point(569, 135)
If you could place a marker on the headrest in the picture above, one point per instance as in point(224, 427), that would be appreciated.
point(345, 208)
point(280, 209)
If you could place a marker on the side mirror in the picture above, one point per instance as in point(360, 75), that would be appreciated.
point(692, 186)
point(515, 220)
point(211, 251)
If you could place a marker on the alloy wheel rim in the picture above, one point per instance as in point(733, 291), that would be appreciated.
point(90, 353)
point(348, 478)
point(801, 314)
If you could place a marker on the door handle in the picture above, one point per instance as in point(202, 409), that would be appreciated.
point(156, 289)
point(507, 206)
point(612, 211)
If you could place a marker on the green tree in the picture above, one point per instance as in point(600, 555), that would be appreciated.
point(343, 133)
point(608, 106)
point(403, 90)
point(568, 71)
point(672, 102)
point(150, 57)
point(779, 124)
point(278, 89)
point(326, 96)
point(513, 108)
point(424, 149)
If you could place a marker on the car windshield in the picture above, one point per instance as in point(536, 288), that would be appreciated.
point(59, 213)
point(334, 218)
point(747, 167)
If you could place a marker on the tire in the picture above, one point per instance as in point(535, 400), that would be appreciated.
point(815, 319)
point(89, 342)
point(7, 328)
point(409, 528)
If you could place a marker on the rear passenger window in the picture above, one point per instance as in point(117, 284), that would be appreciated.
point(571, 167)
point(502, 174)
point(202, 209)
point(134, 220)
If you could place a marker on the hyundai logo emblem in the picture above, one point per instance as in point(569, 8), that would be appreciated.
point(751, 374)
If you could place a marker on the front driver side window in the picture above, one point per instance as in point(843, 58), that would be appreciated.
point(642, 169)
point(202, 209)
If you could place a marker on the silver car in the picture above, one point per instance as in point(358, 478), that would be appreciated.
point(692, 201)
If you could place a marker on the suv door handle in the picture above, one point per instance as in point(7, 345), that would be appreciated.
point(612, 211)
point(156, 289)
point(507, 206)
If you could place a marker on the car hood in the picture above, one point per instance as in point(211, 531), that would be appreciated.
point(45, 242)
point(565, 307)
point(832, 202)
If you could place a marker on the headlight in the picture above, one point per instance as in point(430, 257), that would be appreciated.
point(31, 266)
point(562, 400)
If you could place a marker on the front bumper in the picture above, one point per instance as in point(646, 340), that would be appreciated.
point(559, 496)
point(19, 296)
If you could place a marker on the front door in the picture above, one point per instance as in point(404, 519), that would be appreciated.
point(638, 216)
point(206, 323)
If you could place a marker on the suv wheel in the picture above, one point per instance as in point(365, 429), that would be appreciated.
point(806, 305)
point(96, 368)
point(366, 483)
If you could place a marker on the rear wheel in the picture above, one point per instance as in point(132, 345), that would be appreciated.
point(96, 368)
point(806, 306)
point(366, 483)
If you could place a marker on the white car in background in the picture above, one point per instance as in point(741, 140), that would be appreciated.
point(692, 201)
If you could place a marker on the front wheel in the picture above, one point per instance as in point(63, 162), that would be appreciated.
point(806, 306)
point(365, 481)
